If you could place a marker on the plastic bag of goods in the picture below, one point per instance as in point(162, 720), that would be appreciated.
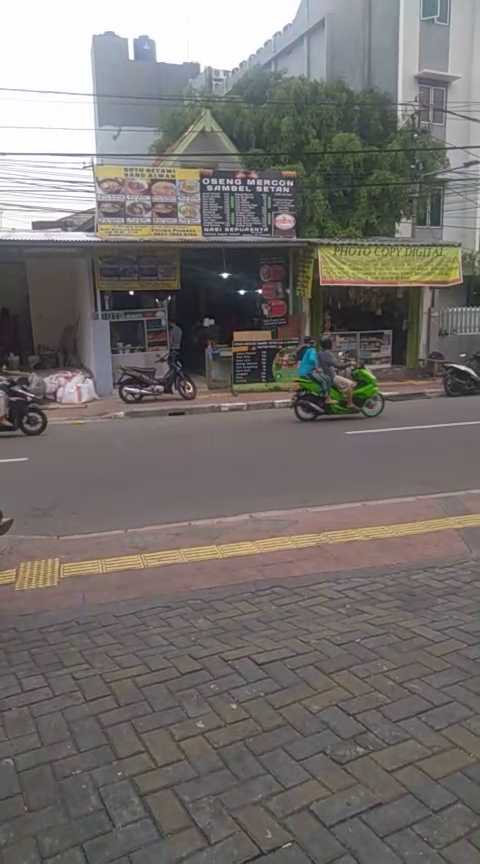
point(37, 386)
point(77, 391)
point(54, 382)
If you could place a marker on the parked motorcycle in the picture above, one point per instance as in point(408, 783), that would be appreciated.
point(309, 402)
point(462, 379)
point(135, 383)
point(5, 524)
point(24, 412)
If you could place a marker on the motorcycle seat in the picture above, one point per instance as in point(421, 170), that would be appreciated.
point(142, 370)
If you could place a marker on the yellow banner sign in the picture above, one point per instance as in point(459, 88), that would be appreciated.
point(143, 203)
point(305, 265)
point(397, 266)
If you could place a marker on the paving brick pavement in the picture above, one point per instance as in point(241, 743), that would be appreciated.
point(334, 719)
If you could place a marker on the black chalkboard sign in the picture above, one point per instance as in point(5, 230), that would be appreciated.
point(264, 365)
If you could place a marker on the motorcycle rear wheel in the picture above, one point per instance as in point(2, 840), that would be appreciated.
point(374, 406)
point(304, 412)
point(126, 396)
point(33, 422)
point(452, 386)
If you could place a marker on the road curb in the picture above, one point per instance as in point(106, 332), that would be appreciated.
point(222, 408)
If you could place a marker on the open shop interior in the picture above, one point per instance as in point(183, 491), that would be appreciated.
point(223, 292)
point(375, 318)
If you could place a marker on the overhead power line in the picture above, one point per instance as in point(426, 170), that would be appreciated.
point(177, 97)
point(374, 151)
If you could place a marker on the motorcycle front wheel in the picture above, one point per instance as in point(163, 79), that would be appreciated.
point(33, 422)
point(374, 406)
point(304, 412)
point(186, 388)
point(452, 386)
point(127, 396)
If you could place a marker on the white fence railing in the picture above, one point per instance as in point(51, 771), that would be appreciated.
point(460, 321)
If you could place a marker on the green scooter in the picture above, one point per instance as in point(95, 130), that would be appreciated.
point(309, 401)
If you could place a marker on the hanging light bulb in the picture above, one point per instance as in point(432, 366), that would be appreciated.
point(224, 274)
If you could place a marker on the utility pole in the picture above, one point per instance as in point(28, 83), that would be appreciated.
point(417, 169)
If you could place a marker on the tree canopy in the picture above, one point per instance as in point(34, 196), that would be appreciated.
point(294, 123)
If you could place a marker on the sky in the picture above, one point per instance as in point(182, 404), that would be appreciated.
point(47, 46)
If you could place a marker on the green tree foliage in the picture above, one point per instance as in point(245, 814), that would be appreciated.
point(293, 123)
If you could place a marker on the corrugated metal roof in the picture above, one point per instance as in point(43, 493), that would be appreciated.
point(82, 238)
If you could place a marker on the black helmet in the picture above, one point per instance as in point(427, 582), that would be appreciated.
point(309, 340)
point(326, 343)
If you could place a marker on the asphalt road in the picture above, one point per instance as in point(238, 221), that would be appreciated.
point(102, 476)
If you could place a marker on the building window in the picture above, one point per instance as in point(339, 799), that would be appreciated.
point(433, 104)
point(430, 209)
point(435, 10)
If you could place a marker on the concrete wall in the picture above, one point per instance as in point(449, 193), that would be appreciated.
point(123, 142)
point(434, 46)
point(384, 46)
point(461, 211)
point(53, 284)
point(62, 294)
point(85, 311)
point(351, 40)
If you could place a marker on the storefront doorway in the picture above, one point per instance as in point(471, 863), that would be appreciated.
point(225, 291)
point(15, 320)
point(382, 312)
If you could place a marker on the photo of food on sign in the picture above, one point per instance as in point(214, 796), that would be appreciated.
point(189, 213)
point(111, 211)
point(164, 211)
point(110, 186)
point(164, 190)
point(134, 187)
point(189, 188)
point(139, 211)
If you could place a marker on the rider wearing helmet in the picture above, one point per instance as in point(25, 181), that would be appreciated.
point(330, 366)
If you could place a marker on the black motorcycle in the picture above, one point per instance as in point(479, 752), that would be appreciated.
point(462, 379)
point(135, 384)
point(24, 413)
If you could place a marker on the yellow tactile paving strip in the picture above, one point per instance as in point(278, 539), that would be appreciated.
point(47, 573)
point(38, 574)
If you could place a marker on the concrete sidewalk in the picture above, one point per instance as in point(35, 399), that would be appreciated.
point(175, 559)
point(332, 719)
point(219, 401)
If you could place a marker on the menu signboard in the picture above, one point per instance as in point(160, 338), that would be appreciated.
point(264, 365)
point(187, 203)
point(156, 272)
point(249, 202)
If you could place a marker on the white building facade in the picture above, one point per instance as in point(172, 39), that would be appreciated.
point(426, 55)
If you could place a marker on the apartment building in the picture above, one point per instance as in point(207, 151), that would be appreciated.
point(426, 55)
